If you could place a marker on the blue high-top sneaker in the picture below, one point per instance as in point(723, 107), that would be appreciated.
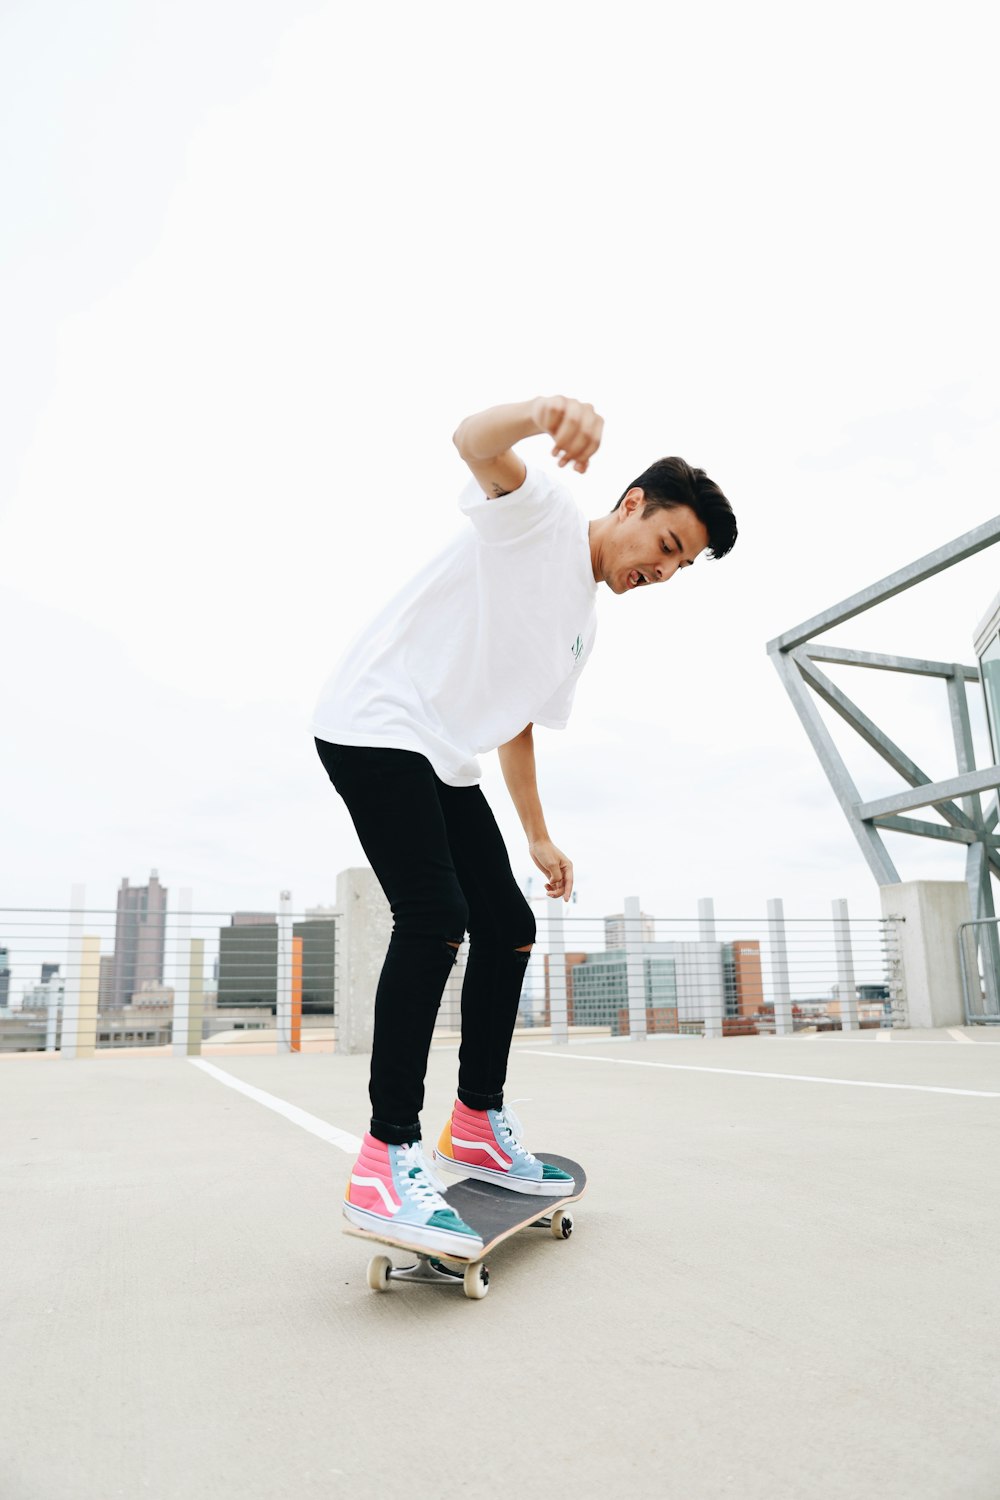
point(486, 1143)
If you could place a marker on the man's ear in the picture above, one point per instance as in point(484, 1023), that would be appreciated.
point(631, 500)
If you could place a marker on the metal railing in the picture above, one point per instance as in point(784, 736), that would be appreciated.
point(979, 951)
point(79, 980)
point(635, 975)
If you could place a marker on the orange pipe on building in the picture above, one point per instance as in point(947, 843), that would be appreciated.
point(296, 1042)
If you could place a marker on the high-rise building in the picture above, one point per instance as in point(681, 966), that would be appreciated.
point(614, 930)
point(104, 973)
point(682, 982)
point(319, 961)
point(600, 989)
point(51, 992)
point(248, 962)
point(140, 942)
point(744, 980)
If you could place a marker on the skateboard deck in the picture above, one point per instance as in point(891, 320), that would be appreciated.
point(495, 1213)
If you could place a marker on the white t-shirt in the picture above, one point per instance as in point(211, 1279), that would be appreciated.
point(490, 636)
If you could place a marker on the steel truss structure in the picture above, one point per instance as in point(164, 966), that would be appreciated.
point(958, 800)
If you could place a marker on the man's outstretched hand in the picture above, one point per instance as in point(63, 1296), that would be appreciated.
point(554, 865)
point(574, 427)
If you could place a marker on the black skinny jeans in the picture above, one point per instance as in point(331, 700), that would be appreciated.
point(441, 861)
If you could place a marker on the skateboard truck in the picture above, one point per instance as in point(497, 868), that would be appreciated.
point(474, 1278)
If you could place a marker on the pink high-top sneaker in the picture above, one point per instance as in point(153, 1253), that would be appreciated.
point(486, 1143)
point(392, 1191)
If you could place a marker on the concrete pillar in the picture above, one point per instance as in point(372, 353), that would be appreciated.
point(781, 994)
point(711, 976)
point(53, 1021)
point(182, 976)
point(90, 982)
point(196, 994)
point(364, 930)
point(74, 969)
point(929, 913)
point(847, 993)
point(635, 970)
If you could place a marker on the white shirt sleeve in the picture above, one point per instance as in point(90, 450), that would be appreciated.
point(537, 502)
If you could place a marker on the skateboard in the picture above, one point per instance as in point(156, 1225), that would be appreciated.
point(495, 1213)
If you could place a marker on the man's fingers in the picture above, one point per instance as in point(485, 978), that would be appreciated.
point(566, 435)
point(596, 433)
point(580, 445)
point(587, 454)
point(561, 883)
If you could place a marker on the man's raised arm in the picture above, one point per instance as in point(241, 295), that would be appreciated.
point(486, 440)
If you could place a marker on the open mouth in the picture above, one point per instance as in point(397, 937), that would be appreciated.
point(636, 578)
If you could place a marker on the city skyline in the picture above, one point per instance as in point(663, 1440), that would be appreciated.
point(851, 432)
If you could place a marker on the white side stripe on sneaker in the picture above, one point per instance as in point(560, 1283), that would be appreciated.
point(376, 1182)
point(501, 1161)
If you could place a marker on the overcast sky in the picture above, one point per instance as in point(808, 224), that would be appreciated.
point(258, 261)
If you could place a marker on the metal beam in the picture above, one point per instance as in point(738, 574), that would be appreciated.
point(894, 824)
point(845, 656)
point(871, 734)
point(928, 796)
point(872, 847)
point(894, 583)
point(961, 728)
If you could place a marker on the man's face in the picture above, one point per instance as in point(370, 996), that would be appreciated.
point(645, 551)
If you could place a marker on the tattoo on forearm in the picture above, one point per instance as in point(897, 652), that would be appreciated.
point(498, 492)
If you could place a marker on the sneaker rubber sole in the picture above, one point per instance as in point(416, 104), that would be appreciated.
point(464, 1246)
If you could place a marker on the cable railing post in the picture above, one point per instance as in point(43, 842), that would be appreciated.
point(196, 993)
point(182, 976)
point(711, 976)
point(54, 1016)
point(635, 969)
point(847, 995)
point(74, 972)
point(784, 1022)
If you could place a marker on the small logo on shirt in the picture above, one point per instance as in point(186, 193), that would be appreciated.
point(577, 648)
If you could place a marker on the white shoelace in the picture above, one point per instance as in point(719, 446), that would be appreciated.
point(512, 1129)
point(422, 1185)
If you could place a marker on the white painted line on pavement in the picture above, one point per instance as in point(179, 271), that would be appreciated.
point(850, 1083)
point(883, 1036)
point(329, 1133)
point(959, 1036)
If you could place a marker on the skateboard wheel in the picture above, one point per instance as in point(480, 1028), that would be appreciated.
point(562, 1224)
point(476, 1280)
point(379, 1268)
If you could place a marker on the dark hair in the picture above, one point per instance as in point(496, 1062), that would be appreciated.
point(670, 482)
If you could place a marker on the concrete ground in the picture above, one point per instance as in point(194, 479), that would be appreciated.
point(782, 1284)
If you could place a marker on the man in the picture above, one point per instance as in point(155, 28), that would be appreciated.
point(487, 641)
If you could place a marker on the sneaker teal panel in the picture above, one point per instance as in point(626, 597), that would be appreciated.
point(555, 1174)
point(447, 1218)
